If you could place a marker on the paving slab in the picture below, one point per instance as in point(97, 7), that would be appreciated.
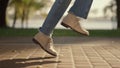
point(74, 52)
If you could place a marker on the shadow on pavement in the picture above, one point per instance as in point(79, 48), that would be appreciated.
point(22, 63)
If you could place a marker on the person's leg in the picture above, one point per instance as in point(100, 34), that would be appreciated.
point(81, 8)
point(43, 38)
point(54, 16)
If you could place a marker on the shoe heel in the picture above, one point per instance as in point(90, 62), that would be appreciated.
point(35, 41)
point(64, 25)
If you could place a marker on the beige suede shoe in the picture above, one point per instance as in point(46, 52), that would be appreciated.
point(45, 42)
point(72, 22)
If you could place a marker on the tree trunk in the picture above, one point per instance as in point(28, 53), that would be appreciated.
point(118, 12)
point(23, 18)
point(15, 18)
point(27, 16)
point(3, 7)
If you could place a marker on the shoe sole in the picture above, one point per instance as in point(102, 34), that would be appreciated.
point(67, 26)
point(36, 42)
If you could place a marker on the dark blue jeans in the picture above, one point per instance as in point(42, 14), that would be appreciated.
point(80, 8)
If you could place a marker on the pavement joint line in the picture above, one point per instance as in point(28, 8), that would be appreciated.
point(109, 47)
point(14, 56)
point(86, 57)
point(6, 52)
point(20, 52)
point(9, 50)
point(42, 55)
point(73, 62)
point(118, 49)
point(119, 53)
point(112, 54)
point(57, 58)
point(42, 59)
point(32, 53)
point(103, 57)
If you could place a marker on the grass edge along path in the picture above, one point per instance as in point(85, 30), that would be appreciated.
point(9, 32)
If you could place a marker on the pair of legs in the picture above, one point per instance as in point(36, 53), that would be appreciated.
point(79, 10)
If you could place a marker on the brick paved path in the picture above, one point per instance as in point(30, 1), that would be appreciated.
point(75, 52)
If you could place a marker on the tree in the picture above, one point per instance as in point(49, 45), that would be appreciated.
point(3, 7)
point(118, 12)
point(111, 8)
point(28, 6)
point(17, 9)
point(23, 8)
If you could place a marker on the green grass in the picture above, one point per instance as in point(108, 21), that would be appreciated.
point(9, 32)
point(17, 32)
point(93, 33)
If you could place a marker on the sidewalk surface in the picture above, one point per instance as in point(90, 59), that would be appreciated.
point(75, 52)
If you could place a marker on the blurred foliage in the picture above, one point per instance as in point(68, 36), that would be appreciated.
point(110, 10)
point(23, 8)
